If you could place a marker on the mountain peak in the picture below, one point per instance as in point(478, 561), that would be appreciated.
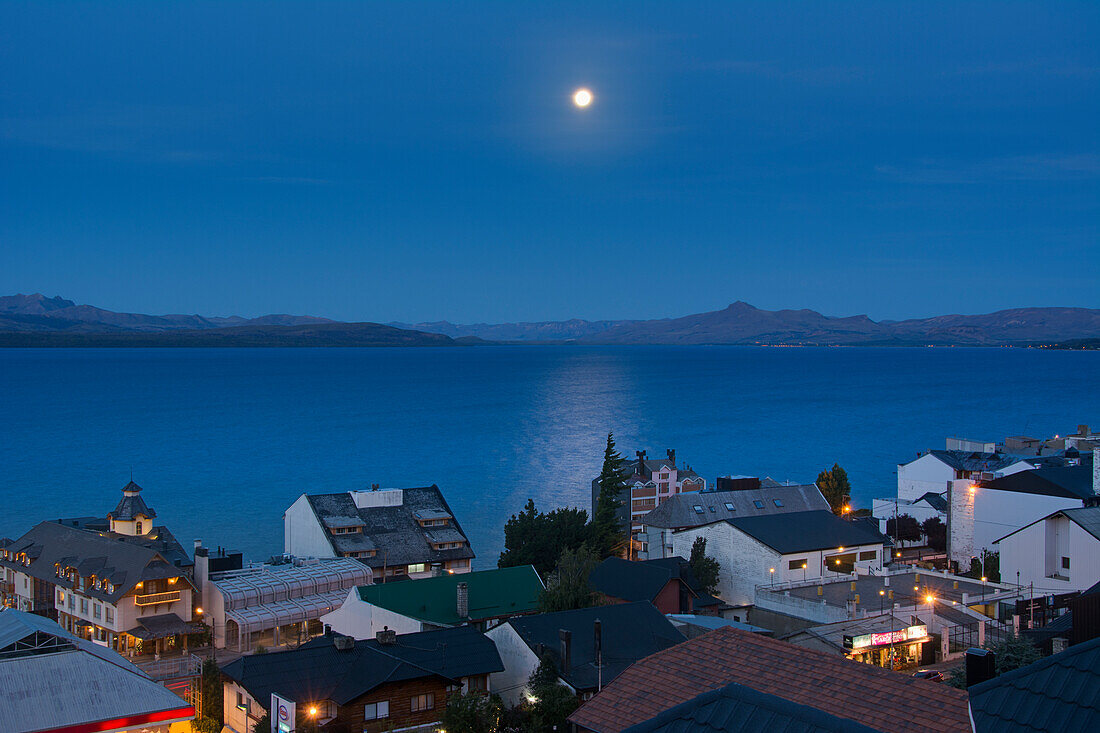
point(741, 305)
point(33, 304)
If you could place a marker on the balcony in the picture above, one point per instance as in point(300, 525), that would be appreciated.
point(151, 599)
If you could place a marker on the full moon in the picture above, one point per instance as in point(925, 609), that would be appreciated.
point(582, 97)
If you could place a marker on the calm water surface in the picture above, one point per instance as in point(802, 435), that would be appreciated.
point(223, 440)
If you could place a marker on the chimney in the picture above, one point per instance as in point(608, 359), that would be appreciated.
point(343, 643)
point(597, 641)
point(566, 643)
point(462, 593)
point(671, 456)
point(981, 665)
point(640, 470)
point(1083, 431)
point(1096, 475)
point(385, 637)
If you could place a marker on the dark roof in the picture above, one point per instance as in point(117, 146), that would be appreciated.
point(962, 460)
point(862, 693)
point(679, 510)
point(1059, 693)
point(630, 632)
point(123, 560)
point(934, 500)
point(392, 531)
point(636, 581)
point(130, 507)
point(319, 671)
point(1070, 482)
point(807, 531)
point(162, 625)
point(739, 709)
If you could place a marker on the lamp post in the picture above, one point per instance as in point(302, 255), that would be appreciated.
point(772, 572)
point(804, 572)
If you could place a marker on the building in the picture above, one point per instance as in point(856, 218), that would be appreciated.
point(121, 581)
point(883, 640)
point(53, 681)
point(398, 533)
point(777, 548)
point(274, 603)
point(651, 482)
point(588, 646)
point(482, 599)
point(668, 583)
point(1058, 693)
point(870, 696)
point(336, 683)
point(1059, 553)
point(735, 497)
point(739, 709)
point(934, 469)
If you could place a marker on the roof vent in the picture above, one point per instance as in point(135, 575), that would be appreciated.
point(343, 643)
point(386, 637)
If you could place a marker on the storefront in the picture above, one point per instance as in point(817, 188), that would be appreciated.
point(905, 646)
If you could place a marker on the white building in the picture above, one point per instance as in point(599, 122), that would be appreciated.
point(1059, 553)
point(778, 548)
point(396, 532)
point(932, 471)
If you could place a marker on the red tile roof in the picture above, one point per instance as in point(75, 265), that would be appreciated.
point(869, 695)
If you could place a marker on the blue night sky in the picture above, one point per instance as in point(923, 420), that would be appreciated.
point(408, 161)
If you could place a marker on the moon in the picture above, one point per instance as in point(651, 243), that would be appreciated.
point(582, 97)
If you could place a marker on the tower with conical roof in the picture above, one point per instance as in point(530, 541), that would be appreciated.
point(132, 517)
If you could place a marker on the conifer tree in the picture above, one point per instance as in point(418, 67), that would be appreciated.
point(607, 531)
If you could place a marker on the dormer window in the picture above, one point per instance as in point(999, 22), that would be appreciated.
point(698, 509)
point(729, 507)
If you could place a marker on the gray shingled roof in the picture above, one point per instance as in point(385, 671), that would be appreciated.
point(131, 507)
point(679, 511)
point(1070, 482)
point(807, 531)
point(739, 709)
point(319, 671)
point(1087, 517)
point(962, 460)
point(393, 531)
point(123, 560)
point(1059, 693)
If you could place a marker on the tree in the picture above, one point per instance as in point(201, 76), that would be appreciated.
point(551, 702)
point(263, 725)
point(534, 538)
point(935, 531)
point(903, 528)
point(1010, 653)
point(568, 587)
point(835, 488)
point(473, 713)
point(607, 530)
point(210, 682)
point(704, 568)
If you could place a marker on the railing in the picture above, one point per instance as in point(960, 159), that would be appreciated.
point(187, 665)
point(151, 599)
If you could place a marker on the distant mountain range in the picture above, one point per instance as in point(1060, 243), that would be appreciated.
point(35, 320)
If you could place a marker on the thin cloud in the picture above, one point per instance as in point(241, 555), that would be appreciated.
point(771, 70)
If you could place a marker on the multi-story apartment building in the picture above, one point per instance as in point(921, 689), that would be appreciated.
point(650, 483)
point(121, 581)
point(398, 533)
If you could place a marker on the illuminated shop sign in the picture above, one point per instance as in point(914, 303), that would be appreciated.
point(913, 633)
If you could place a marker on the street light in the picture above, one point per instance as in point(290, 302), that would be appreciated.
point(772, 571)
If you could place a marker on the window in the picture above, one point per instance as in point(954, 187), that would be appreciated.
point(698, 509)
point(423, 702)
point(110, 614)
point(663, 475)
point(139, 528)
point(1065, 563)
point(777, 502)
point(97, 610)
point(61, 597)
point(84, 606)
point(377, 710)
point(72, 602)
point(796, 564)
point(713, 510)
point(417, 568)
point(477, 684)
point(242, 701)
point(729, 507)
point(870, 555)
point(758, 504)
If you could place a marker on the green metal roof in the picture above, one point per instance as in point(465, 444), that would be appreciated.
point(492, 593)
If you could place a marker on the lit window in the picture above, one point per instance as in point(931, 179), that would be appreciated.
point(139, 528)
point(423, 702)
point(418, 567)
point(377, 710)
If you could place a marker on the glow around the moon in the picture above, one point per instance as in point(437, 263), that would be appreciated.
point(582, 97)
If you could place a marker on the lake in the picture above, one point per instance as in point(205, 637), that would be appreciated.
point(223, 440)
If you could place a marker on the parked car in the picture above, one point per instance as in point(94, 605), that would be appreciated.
point(931, 675)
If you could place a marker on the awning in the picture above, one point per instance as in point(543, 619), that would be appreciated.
point(281, 613)
point(164, 625)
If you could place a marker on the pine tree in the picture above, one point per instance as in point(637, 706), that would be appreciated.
point(704, 568)
point(607, 530)
point(835, 488)
point(567, 587)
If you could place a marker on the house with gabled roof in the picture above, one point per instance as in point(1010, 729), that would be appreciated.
point(1059, 553)
point(869, 696)
point(398, 533)
point(393, 682)
point(668, 583)
point(483, 599)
